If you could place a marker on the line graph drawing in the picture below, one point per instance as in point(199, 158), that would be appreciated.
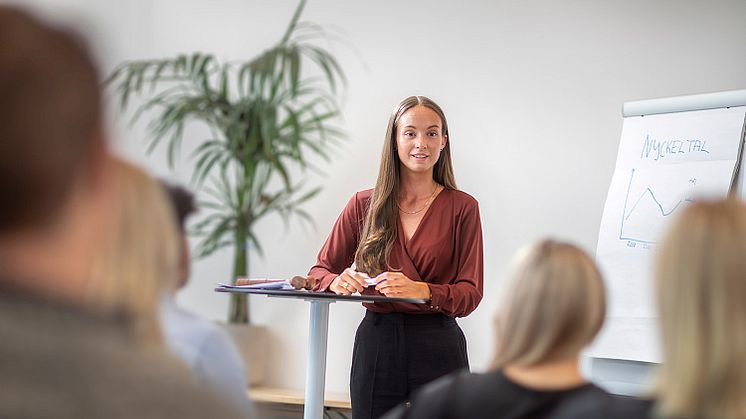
point(643, 220)
point(658, 173)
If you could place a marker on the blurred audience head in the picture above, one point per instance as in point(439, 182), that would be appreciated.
point(701, 292)
point(54, 163)
point(182, 202)
point(553, 306)
point(50, 120)
point(140, 262)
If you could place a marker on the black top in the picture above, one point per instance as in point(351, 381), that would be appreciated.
point(494, 396)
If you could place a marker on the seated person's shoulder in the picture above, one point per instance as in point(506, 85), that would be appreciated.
point(87, 361)
point(593, 402)
point(443, 396)
point(632, 407)
point(160, 384)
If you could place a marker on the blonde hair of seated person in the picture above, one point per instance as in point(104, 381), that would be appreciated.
point(554, 306)
point(701, 293)
point(140, 260)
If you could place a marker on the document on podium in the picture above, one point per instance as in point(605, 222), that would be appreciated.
point(261, 284)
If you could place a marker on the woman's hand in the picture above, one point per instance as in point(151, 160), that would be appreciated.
point(349, 282)
point(396, 284)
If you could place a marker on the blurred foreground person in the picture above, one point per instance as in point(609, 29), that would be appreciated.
point(206, 348)
point(701, 291)
point(554, 306)
point(60, 356)
point(140, 261)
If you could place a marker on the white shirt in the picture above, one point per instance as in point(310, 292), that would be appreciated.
point(208, 351)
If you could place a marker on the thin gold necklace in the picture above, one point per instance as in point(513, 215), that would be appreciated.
point(429, 200)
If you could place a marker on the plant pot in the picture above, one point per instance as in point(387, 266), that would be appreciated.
point(252, 343)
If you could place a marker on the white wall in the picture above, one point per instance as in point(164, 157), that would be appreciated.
point(533, 92)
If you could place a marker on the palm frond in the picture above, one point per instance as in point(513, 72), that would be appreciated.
point(267, 118)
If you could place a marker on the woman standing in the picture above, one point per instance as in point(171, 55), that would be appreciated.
point(418, 237)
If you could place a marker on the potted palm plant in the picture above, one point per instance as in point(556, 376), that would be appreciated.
point(266, 117)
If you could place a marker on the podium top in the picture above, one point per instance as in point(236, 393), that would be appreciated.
point(320, 296)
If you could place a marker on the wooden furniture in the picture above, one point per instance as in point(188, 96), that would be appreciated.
point(296, 397)
point(286, 403)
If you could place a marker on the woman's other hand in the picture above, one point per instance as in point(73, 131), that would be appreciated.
point(396, 284)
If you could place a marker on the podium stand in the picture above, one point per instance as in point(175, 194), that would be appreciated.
point(317, 335)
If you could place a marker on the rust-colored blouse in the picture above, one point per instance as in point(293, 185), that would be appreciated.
point(445, 251)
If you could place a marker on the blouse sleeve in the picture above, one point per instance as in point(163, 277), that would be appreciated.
point(462, 295)
point(338, 252)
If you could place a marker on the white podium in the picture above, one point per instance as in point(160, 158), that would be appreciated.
point(317, 335)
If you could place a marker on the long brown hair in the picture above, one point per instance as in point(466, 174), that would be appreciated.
point(379, 228)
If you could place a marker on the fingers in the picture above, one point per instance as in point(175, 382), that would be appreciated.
point(390, 287)
point(349, 282)
point(380, 278)
point(393, 291)
point(339, 286)
point(354, 279)
point(390, 284)
point(392, 276)
point(383, 285)
point(396, 284)
point(388, 280)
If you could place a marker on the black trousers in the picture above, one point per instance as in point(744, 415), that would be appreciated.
point(396, 353)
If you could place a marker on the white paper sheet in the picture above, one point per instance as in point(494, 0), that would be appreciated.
point(664, 162)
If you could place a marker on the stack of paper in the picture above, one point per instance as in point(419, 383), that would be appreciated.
point(262, 284)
